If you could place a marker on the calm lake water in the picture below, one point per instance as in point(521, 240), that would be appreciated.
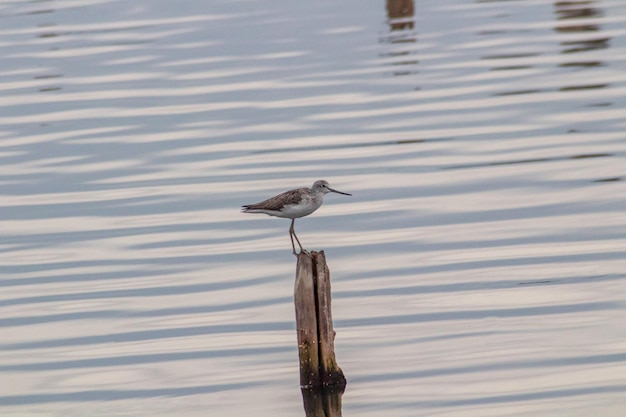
point(478, 270)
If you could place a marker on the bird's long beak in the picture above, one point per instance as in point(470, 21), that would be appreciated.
point(338, 192)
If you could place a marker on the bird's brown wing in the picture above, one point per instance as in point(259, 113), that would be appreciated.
point(277, 202)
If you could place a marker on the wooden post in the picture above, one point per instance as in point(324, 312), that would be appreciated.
point(314, 322)
point(306, 322)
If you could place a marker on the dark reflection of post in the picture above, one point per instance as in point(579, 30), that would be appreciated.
point(401, 17)
point(400, 14)
point(322, 402)
point(568, 15)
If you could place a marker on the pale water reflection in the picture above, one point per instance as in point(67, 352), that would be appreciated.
point(477, 270)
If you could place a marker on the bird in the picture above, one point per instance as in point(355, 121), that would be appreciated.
point(294, 204)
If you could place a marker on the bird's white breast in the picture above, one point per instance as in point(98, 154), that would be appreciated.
point(304, 208)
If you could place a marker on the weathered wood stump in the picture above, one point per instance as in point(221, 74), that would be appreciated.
point(316, 337)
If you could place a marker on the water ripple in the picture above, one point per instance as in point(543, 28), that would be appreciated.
point(477, 269)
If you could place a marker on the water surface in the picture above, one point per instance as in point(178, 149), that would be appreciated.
point(477, 270)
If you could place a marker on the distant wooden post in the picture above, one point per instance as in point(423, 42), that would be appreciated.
point(316, 337)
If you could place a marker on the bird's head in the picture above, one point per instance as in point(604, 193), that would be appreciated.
point(322, 186)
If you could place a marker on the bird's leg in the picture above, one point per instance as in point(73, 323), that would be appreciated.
point(293, 246)
point(292, 234)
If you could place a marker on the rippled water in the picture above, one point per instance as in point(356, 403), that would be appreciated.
point(478, 270)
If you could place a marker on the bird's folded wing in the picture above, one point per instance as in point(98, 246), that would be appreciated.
point(279, 201)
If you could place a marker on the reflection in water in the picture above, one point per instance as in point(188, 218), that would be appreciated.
point(401, 19)
point(568, 14)
point(517, 92)
point(608, 179)
point(583, 87)
point(585, 45)
point(575, 35)
point(322, 402)
point(576, 9)
point(400, 14)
